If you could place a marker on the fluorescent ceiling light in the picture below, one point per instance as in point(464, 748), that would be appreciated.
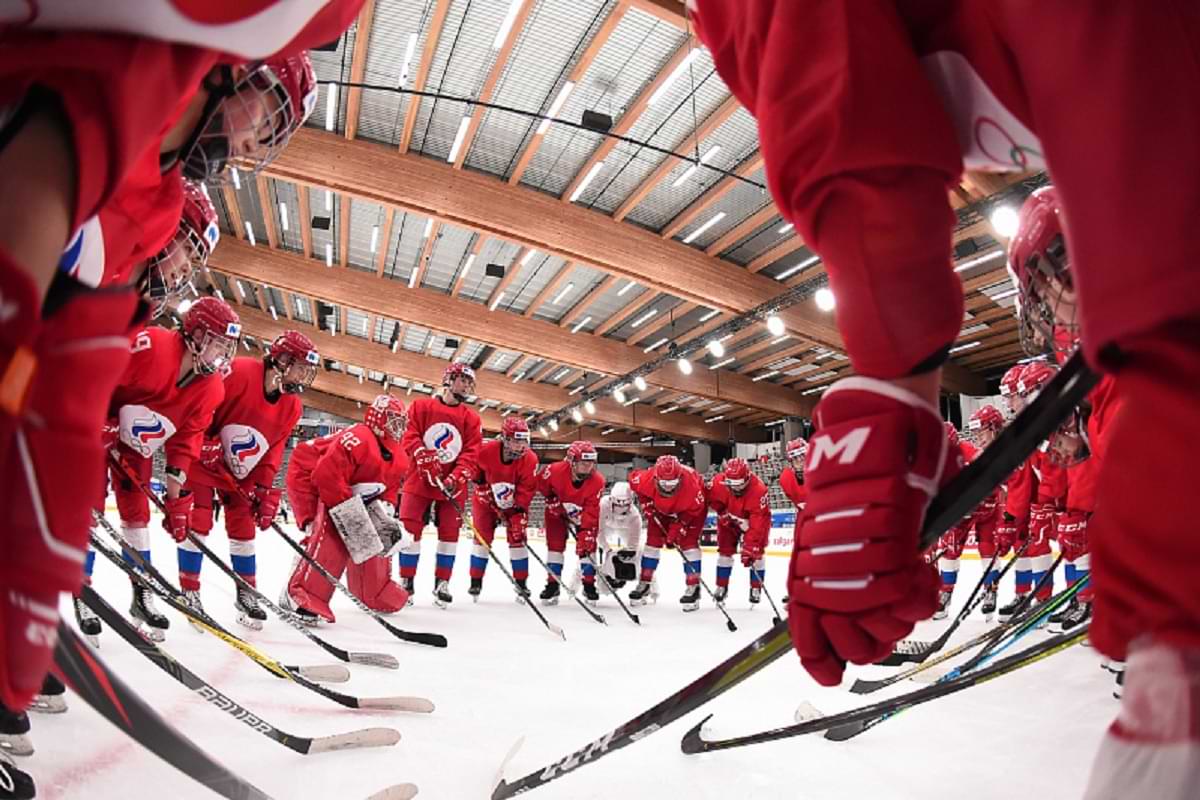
point(458, 140)
point(250, 234)
point(330, 105)
point(329, 254)
point(669, 409)
point(709, 315)
point(657, 344)
point(717, 418)
point(696, 234)
point(764, 376)
point(506, 25)
point(626, 288)
point(409, 50)
point(674, 76)
point(283, 216)
point(645, 317)
point(528, 257)
point(723, 363)
point(374, 238)
point(563, 293)
point(966, 346)
point(790, 271)
point(587, 179)
point(974, 262)
point(496, 302)
point(578, 326)
point(788, 228)
point(557, 105)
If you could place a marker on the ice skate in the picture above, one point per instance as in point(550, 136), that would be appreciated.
point(191, 597)
point(549, 595)
point(1119, 686)
point(720, 594)
point(1077, 614)
point(1057, 617)
point(943, 609)
point(88, 622)
point(305, 616)
point(15, 784)
point(640, 594)
point(989, 603)
point(755, 595)
point(1008, 609)
point(522, 590)
point(691, 598)
point(51, 699)
point(476, 588)
point(152, 624)
point(248, 611)
point(14, 733)
point(590, 595)
point(441, 594)
point(407, 585)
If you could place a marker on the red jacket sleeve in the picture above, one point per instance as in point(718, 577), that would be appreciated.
point(760, 513)
point(860, 155)
point(331, 476)
point(590, 518)
point(794, 490)
point(183, 447)
point(1020, 487)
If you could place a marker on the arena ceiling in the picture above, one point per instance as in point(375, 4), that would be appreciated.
point(402, 230)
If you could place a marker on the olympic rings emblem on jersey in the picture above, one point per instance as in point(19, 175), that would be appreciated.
point(244, 447)
point(445, 440)
point(505, 494)
point(574, 513)
point(143, 430)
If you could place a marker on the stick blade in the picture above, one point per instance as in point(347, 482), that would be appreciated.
point(367, 737)
point(498, 781)
point(415, 705)
point(382, 660)
point(428, 639)
point(843, 732)
point(731, 626)
point(866, 687)
point(692, 742)
point(330, 673)
point(400, 791)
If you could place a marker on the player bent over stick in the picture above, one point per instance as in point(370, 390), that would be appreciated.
point(739, 497)
point(572, 490)
point(672, 498)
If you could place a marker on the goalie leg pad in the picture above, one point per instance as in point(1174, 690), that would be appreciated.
point(307, 587)
point(371, 582)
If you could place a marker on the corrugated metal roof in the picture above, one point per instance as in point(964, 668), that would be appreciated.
point(646, 316)
point(786, 265)
point(478, 285)
point(741, 202)
point(766, 237)
point(332, 65)
point(448, 254)
point(407, 239)
point(381, 118)
point(532, 278)
point(324, 203)
point(365, 217)
point(356, 323)
point(555, 34)
point(285, 193)
point(581, 280)
point(738, 139)
point(636, 51)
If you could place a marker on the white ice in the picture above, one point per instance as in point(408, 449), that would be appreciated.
point(1032, 733)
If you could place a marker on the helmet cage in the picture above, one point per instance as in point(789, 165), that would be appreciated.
point(212, 353)
point(1047, 315)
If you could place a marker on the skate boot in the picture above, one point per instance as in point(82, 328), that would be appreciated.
point(152, 624)
point(441, 594)
point(89, 623)
point(15, 783)
point(1078, 614)
point(989, 603)
point(1041, 623)
point(249, 613)
point(691, 598)
point(549, 595)
point(522, 590)
point(1007, 610)
point(590, 595)
point(407, 585)
point(1057, 618)
point(14, 733)
point(191, 597)
point(640, 593)
point(476, 588)
point(756, 595)
point(306, 617)
point(943, 609)
point(51, 699)
point(720, 594)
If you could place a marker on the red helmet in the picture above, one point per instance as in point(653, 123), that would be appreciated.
point(296, 358)
point(737, 474)
point(211, 330)
point(1041, 271)
point(458, 369)
point(514, 435)
point(985, 418)
point(170, 270)
point(386, 416)
point(951, 433)
point(667, 472)
point(796, 448)
point(1036, 375)
point(581, 455)
point(1011, 380)
point(252, 118)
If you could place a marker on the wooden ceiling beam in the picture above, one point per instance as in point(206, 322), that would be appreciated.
point(358, 67)
point(552, 286)
point(305, 220)
point(436, 22)
point(742, 230)
point(710, 197)
point(268, 209)
point(344, 231)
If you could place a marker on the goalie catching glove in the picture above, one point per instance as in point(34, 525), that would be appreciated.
point(392, 536)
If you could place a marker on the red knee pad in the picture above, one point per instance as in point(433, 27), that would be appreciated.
point(307, 586)
point(202, 508)
point(371, 582)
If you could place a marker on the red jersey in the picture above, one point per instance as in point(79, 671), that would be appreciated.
point(1051, 479)
point(353, 461)
point(251, 429)
point(1020, 489)
point(687, 504)
point(750, 507)
point(794, 488)
point(152, 410)
point(511, 483)
point(453, 432)
point(580, 501)
point(868, 111)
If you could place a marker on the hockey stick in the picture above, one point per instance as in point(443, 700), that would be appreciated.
point(1014, 444)
point(720, 606)
point(611, 588)
point(911, 650)
point(598, 617)
point(383, 660)
point(173, 598)
point(1020, 616)
point(693, 742)
point(550, 626)
point(108, 694)
point(367, 737)
point(431, 639)
point(754, 573)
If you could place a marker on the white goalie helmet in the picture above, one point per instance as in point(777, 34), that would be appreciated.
point(622, 497)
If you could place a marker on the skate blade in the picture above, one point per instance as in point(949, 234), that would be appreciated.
point(16, 744)
point(474, 598)
point(442, 604)
point(49, 704)
point(247, 621)
point(553, 601)
point(401, 791)
point(691, 607)
point(150, 633)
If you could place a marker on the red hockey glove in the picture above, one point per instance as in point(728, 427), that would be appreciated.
point(483, 495)
point(953, 541)
point(857, 581)
point(554, 506)
point(1041, 524)
point(265, 500)
point(672, 532)
point(1007, 533)
point(179, 515)
point(753, 546)
point(426, 462)
point(110, 438)
point(585, 542)
point(516, 528)
point(735, 521)
point(212, 456)
point(1072, 534)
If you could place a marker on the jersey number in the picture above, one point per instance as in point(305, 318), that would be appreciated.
point(140, 342)
point(350, 441)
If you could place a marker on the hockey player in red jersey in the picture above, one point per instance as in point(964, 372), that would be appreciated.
point(504, 488)
point(674, 503)
point(572, 490)
point(791, 480)
point(242, 451)
point(343, 489)
point(952, 542)
point(739, 499)
point(443, 439)
point(165, 399)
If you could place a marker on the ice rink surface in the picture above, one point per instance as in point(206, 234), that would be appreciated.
point(504, 676)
